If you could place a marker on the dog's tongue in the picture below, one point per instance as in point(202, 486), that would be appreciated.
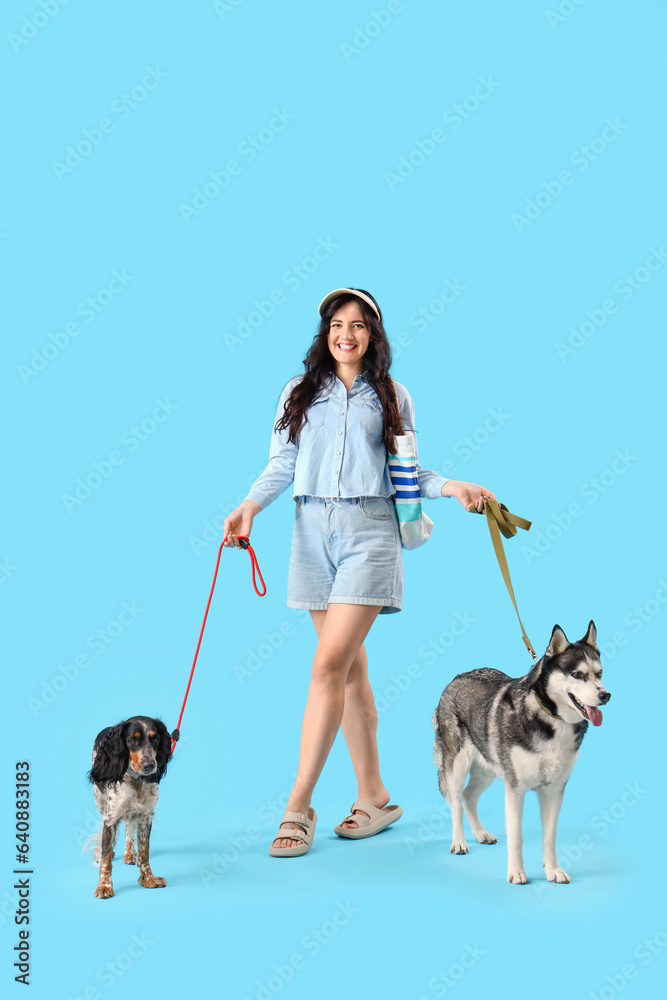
point(594, 714)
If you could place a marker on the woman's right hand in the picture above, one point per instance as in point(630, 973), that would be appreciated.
point(239, 522)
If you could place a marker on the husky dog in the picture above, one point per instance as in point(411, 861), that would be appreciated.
point(526, 731)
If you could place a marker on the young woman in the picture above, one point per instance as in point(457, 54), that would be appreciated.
point(334, 427)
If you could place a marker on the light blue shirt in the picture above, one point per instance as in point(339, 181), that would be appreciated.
point(339, 451)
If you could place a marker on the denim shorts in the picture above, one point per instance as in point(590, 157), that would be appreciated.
point(345, 550)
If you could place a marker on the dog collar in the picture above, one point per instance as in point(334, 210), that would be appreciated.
point(547, 710)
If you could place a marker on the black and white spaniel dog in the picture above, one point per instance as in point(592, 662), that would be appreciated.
point(129, 761)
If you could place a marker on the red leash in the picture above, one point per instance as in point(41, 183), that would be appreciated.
point(245, 543)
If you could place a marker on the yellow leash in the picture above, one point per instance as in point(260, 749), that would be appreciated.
point(500, 521)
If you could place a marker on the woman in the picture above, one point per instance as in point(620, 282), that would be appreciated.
point(334, 427)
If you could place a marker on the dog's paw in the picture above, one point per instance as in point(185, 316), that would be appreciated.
point(458, 847)
point(152, 882)
point(557, 875)
point(517, 877)
point(484, 837)
point(130, 858)
point(104, 891)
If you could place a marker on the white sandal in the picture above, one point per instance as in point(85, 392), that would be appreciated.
point(367, 827)
point(308, 821)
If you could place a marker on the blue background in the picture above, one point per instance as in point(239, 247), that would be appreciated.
point(394, 912)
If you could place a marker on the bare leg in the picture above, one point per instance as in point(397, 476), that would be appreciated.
point(359, 727)
point(343, 632)
point(550, 800)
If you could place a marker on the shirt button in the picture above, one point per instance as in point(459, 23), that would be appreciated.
point(342, 413)
point(335, 472)
point(340, 432)
point(338, 453)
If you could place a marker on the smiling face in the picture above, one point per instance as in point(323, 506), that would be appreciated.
point(348, 338)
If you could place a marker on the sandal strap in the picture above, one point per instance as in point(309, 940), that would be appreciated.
point(290, 832)
point(358, 819)
point(367, 807)
point(294, 817)
point(290, 835)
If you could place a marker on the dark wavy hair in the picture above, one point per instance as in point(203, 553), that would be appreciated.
point(320, 364)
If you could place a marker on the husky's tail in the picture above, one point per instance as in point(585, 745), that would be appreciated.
point(438, 758)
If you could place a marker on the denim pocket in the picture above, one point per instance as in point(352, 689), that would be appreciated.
point(316, 413)
point(371, 417)
point(378, 508)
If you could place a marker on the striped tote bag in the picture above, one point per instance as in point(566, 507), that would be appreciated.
point(415, 526)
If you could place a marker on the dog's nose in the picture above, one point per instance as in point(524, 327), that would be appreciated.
point(603, 697)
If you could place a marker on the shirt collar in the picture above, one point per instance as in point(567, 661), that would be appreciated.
point(333, 384)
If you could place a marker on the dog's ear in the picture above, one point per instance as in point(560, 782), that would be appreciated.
point(111, 757)
point(557, 643)
point(591, 637)
point(163, 752)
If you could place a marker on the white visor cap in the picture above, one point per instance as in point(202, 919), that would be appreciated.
point(351, 291)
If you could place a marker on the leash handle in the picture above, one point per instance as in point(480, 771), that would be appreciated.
point(500, 521)
point(245, 543)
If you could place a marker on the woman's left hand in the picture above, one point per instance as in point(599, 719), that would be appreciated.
point(470, 495)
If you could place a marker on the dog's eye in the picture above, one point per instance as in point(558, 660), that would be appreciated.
point(578, 674)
